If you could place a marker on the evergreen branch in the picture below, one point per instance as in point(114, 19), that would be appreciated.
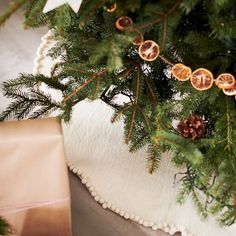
point(198, 203)
point(94, 77)
point(5, 229)
point(145, 117)
point(25, 109)
point(208, 193)
point(12, 8)
point(9, 111)
point(166, 61)
point(131, 124)
point(107, 98)
point(117, 44)
point(192, 182)
point(45, 110)
point(24, 81)
point(34, 16)
point(153, 158)
point(52, 83)
point(118, 114)
point(229, 128)
point(126, 73)
point(88, 11)
point(54, 69)
point(189, 150)
point(163, 18)
point(28, 81)
point(25, 103)
point(164, 31)
point(153, 96)
point(134, 105)
point(149, 24)
point(140, 142)
point(96, 88)
point(177, 3)
point(62, 13)
point(235, 204)
point(187, 5)
point(74, 69)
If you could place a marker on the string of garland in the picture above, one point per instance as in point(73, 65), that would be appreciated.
point(201, 79)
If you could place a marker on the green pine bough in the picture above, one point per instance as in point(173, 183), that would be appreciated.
point(100, 61)
point(4, 227)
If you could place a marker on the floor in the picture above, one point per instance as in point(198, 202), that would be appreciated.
point(18, 47)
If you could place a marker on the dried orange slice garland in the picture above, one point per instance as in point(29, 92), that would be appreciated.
point(123, 23)
point(149, 50)
point(111, 7)
point(225, 81)
point(181, 72)
point(201, 79)
point(230, 92)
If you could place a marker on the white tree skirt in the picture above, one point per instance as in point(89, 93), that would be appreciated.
point(119, 180)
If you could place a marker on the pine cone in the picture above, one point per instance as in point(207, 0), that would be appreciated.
point(192, 128)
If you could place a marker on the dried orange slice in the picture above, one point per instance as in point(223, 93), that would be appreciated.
point(123, 22)
point(202, 79)
point(111, 7)
point(230, 91)
point(225, 81)
point(181, 72)
point(149, 50)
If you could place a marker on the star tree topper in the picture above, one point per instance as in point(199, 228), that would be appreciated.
point(52, 4)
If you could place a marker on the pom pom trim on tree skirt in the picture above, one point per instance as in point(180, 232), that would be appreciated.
point(172, 217)
point(171, 229)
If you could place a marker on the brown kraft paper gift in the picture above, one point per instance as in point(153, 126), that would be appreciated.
point(34, 187)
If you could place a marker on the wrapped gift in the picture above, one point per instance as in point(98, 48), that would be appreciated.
point(34, 188)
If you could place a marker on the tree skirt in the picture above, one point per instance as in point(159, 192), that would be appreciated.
point(119, 180)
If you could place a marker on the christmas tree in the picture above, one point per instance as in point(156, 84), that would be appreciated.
point(174, 61)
